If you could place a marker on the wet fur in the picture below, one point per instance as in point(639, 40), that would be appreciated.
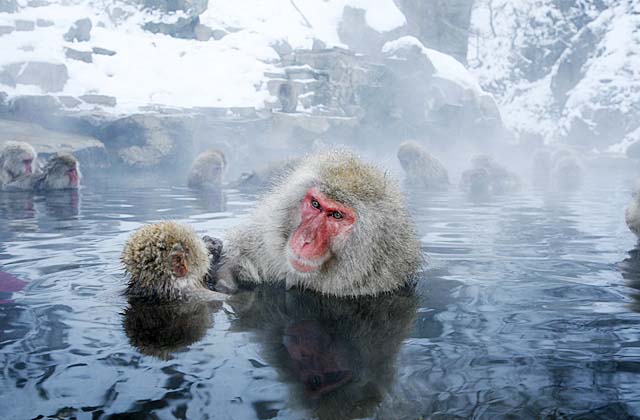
point(207, 170)
point(147, 260)
point(53, 176)
point(380, 255)
point(422, 169)
point(12, 154)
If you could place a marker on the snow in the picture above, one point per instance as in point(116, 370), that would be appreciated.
point(155, 69)
point(446, 67)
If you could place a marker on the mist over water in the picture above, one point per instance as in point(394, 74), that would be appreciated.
point(526, 308)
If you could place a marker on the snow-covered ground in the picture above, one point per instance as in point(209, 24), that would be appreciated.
point(158, 69)
point(506, 32)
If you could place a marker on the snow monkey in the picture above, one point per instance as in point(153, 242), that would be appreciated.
point(16, 159)
point(62, 171)
point(500, 180)
point(266, 177)
point(567, 173)
point(422, 169)
point(335, 225)
point(206, 171)
point(168, 261)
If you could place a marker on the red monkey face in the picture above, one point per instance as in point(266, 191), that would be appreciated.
point(27, 162)
point(322, 221)
point(74, 178)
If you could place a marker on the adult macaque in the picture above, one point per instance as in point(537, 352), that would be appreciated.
point(16, 159)
point(62, 171)
point(567, 173)
point(168, 261)
point(422, 169)
point(266, 177)
point(500, 181)
point(206, 171)
point(335, 225)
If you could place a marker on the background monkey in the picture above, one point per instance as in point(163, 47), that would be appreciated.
point(421, 168)
point(206, 171)
point(335, 225)
point(16, 159)
point(62, 171)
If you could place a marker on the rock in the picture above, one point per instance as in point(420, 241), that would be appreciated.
point(190, 7)
point(146, 141)
point(318, 45)
point(33, 107)
point(442, 25)
point(24, 25)
point(183, 28)
point(49, 77)
point(282, 48)
point(85, 56)
point(38, 3)
point(103, 100)
point(8, 6)
point(103, 51)
point(218, 34)
point(202, 32)
point(69, 101)
point(569, 70)
point(4, 103)
point(44, 23)
point(90, 152)
point(4, 29)
point(80, 31)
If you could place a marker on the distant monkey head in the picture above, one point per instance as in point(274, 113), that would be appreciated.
point(207, 169)
point(16, 159)
point(62, 171)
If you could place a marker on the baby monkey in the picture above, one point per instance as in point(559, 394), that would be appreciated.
point(168, 261)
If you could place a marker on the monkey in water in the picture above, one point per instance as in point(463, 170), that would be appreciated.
point(422, 169)
point(16, 159)
point(206, 171)
point(264, 178)
point(168, 261)
point(62, 171)
point(335, 225)
point(497, 178)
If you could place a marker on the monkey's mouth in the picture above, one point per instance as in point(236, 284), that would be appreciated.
point(304, 265)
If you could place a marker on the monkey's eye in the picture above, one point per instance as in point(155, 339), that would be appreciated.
point(336, 215)
point(315, 204)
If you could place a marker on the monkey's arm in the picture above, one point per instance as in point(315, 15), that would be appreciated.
point(23, 183)
point(219, 277)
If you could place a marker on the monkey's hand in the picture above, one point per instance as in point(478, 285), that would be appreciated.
point(214, 246)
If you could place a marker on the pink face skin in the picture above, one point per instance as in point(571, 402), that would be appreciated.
point(27, 162)
point(73, 177)
point(322, 221)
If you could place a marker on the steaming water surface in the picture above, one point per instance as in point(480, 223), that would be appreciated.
point(526, 310)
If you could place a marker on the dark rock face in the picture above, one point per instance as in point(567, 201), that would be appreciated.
point(570, 65)
point(50, 77)
point(85, 56)
point(24, 25)
point(99, 100)
point(440, 24)
point(80, 31)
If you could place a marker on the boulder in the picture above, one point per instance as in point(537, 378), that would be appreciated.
point(183, 28)
point(33, 107)
point(85, 56)
point(24, 25)
point(69, 101)
point(4, 29)
point(89, 151)
point(103, 51)
point(202, 32)
point(190, 7)
point(49, 77)
point(44, 23)
point(103, 100)
point(569, 70)
point(8, 6)
point(38, 3)
point(80, 31)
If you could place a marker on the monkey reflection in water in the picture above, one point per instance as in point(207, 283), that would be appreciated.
point(337, 352)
